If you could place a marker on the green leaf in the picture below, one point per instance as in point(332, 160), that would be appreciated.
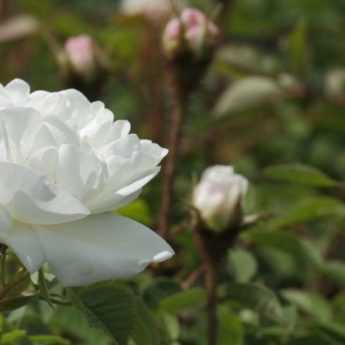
point(258, 298)
point(172, 326)
point(184, 300)
point(137, 210)
point(335, 270)
point(48, 340)
point(310, 303)
point(334, 329)
point(301, 251)
point(243, 265)
point(16, 337)
point(145, 330)
point(160, 289)
point(19, 288)
point(299, 173)
point(74, 322)
point(109, 306)
point(248, 94)
point(308, 209)
point(315, 339)
point(115, 309)
point(2, 324)
point(16, 302)
point(298, 49)
point(230, 328)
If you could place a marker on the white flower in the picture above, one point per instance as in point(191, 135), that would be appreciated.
point(64, 165)
point(219, 195)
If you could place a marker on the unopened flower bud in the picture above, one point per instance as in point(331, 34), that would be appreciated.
point(335, 85)
point(81, 54)
point(219, 197)
point(83, 64)
point(191, 32)
point(153, 10)
point(291, 85)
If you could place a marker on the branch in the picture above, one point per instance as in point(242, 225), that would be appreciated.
point(211, 284)
point(212, 248)
point(4, 7)
point(176, 122)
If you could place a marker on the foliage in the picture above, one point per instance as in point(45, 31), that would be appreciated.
point(265, 106)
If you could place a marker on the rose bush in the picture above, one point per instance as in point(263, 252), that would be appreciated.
point(64, 166)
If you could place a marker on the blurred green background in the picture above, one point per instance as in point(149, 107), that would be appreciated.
point(272, 104)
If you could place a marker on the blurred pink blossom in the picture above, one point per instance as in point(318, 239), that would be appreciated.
point(192, 30)
point(80, 51)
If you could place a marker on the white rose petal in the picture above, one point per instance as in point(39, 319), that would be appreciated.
point(100, 247)
point(63, 164)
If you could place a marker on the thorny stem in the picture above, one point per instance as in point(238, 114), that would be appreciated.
point(176, 121)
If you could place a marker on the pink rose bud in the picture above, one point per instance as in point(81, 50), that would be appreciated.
point(84, 65)
point(81, 54)
point(172, 36)
point(193, 31)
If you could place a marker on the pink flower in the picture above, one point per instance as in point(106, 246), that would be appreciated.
point(80, 52)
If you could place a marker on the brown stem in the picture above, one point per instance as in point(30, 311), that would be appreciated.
point(192, 278)
point(151, 70)
point(3, 249)
point(226, 7)
point(3, 9)
point(211, 283)
point(176, 121)
point(212, 247)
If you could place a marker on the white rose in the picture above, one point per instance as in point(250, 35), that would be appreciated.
point(219, 195)
point(64, 166)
